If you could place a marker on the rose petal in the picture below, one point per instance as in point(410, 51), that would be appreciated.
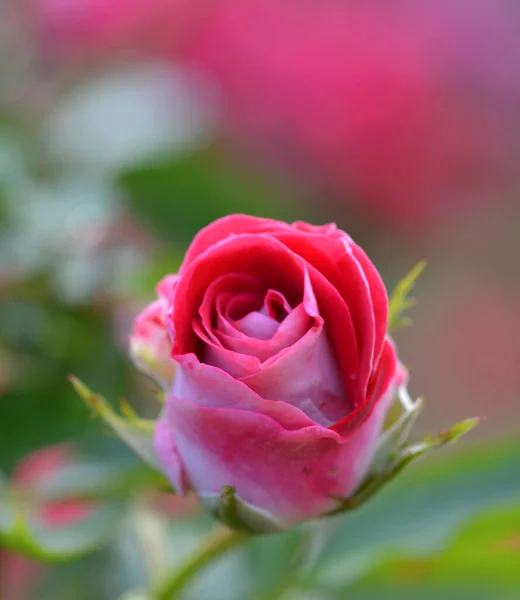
point(379, 297)
point(166, 450)
point(222, 228)
point(262, 257)
point(211, 387)
point(305, 375)
point(258, 326)
point(334, 259)
point(292, 475)
point(388, 373)
point(225, 288)
point(285, 473)
point(289, 332)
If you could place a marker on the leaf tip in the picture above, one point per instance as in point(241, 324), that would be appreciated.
point(452, 434)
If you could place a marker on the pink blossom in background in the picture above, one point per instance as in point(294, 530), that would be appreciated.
point(104, 29)
point(354, 98)
point(20, 576)
point(476, 42)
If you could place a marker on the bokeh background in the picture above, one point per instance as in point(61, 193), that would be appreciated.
point(127, 125)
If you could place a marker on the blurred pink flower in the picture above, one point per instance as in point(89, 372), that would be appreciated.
point(352, 96)
point(20, 576)
point(103, 29)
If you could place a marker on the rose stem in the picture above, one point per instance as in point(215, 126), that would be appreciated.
point(217, 543)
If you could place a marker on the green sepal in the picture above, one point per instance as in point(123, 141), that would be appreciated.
point(137, 433)
point(400, 421)
point(400, 300)
point(402, 459)
point(230, 510)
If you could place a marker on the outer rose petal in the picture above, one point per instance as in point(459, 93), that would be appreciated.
point(208, 386)
point(222, 228)
point(290, 475)
point(167, 453)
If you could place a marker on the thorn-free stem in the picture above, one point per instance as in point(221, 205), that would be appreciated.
point(218, 542)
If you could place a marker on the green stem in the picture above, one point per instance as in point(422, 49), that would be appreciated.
point(219, 541)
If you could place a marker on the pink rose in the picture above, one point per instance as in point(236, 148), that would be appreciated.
point(284, 369)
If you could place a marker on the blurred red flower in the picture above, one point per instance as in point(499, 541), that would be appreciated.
point(20, 576)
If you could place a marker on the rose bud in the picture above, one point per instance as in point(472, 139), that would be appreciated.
point(284, 370)
point(150, 345)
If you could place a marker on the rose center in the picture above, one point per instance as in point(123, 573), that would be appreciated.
point(260, 321)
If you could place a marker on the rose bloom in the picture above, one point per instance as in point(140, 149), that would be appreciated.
point(19, 576)
point(284, 368)
point(357, 99)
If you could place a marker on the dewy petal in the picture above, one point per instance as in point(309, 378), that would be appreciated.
point(388, 374)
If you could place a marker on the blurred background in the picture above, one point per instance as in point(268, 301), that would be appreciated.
point(127, 125)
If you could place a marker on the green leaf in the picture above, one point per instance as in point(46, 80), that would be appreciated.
point(483, 561)
point(401, 460)
point(205, 185)
point(400, 300)
point(135, 432)
point(419, 514)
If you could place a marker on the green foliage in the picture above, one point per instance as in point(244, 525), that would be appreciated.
point(419, 514)
point(481, 562)
point(105, 488)
point(180, 195)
